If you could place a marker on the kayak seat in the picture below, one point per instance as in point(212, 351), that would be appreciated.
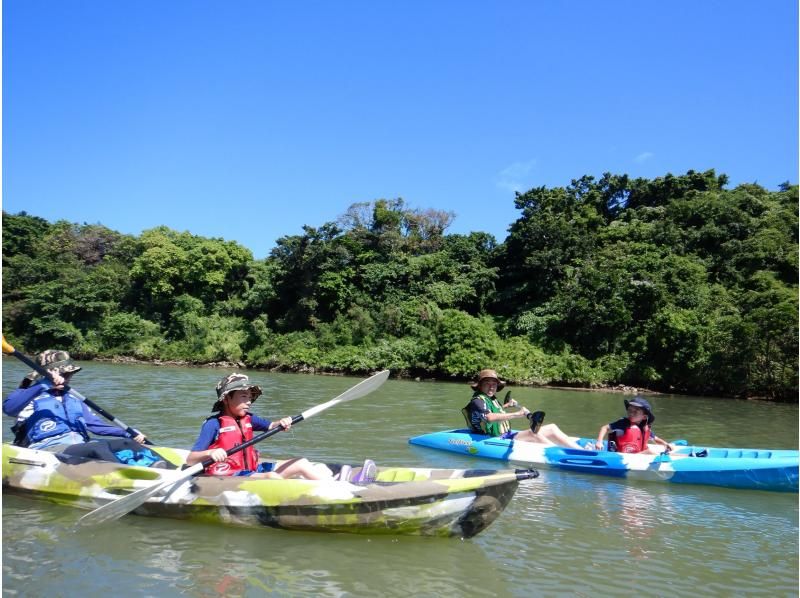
point(401, 475)
point(465, 413)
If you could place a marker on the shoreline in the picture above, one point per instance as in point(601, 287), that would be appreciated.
point(611, 388)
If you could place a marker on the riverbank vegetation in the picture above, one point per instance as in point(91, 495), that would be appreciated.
point(676, 284)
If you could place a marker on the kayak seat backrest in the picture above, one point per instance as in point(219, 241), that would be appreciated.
point(465, 413)
point(402, 475)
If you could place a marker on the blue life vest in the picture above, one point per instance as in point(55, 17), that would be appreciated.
point(52, 417)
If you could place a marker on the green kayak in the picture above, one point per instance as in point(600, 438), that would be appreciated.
point(401, 500)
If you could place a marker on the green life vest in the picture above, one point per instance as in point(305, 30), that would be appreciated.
point(497, 428)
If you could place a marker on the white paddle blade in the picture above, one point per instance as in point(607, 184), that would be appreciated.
point(356, 392)
point(115, 509)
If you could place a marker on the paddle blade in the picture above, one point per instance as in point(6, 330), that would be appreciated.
point(7, 349)
point(356, 392)
point(115, 509)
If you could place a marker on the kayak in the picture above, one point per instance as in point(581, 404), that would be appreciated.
point(401, 500)
point(755, 469)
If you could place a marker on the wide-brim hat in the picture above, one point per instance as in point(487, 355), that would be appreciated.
point(488, 374)
point(642, 404)
point(233, 382)
point(56, 362)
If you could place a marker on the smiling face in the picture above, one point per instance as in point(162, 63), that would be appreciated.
point(237, 403)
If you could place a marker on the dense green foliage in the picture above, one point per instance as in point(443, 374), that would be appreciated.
point(676, 284)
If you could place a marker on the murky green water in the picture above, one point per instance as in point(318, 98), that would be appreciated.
point(562, 534)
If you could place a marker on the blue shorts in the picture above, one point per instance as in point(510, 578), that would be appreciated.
point(509, 435)
point(265, 467)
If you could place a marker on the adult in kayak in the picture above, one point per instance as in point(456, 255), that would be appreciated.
point(232, 424)
point(631, 434)
point(51, 416)
point(485, 415)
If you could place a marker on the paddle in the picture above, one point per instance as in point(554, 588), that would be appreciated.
point(535, 418)
point(119, 507)
point(9, 350)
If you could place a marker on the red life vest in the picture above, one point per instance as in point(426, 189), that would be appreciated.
point(633, 440)
point(232, 433)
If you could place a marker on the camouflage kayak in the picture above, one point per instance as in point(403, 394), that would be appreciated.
point(402, 500)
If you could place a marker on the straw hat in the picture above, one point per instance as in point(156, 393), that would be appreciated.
point(488, 374)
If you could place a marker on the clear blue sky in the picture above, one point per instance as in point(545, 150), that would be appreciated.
point(246, 120)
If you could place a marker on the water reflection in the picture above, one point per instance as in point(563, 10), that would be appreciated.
point(165, 558)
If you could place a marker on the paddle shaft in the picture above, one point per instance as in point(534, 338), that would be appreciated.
point(9, 350)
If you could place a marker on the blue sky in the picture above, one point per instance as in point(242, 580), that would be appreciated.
point(247, 120)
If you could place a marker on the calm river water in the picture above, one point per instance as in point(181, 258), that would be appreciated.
point(563, 534)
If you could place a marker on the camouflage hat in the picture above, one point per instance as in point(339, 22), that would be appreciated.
point(55, 361)
point(233, 382)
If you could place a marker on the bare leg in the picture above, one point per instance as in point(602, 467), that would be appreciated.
point(548, 434)
point(302, 467)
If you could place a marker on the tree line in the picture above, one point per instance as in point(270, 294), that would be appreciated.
point(676, 284)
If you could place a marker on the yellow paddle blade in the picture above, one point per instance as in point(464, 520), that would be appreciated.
point(7, 349)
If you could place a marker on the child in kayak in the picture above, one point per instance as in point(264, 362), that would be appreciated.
point(631, 434)
point(232, 424)
point(485, 415)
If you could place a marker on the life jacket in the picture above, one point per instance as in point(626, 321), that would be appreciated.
point(51, 418)
point(633, 440)
point(489, 428)
point(232, 433)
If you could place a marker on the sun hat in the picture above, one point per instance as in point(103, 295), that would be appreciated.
point(642, 404)
point(488, 374)
point(233, 382)
point(56, 362)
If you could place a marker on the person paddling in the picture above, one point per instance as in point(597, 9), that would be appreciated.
point(232, 424)
point(51, 416)
point(485, 415)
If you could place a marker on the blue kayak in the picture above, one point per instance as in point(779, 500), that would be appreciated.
point(754, 469)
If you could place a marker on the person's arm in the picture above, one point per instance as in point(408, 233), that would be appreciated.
point(477, 405)
point(284, 422)
point(509, 402)
point(600, 436)
point(259, 423)
point(200, 451)
point(18, 399)
point(504, 417)
point(661, 441)
point(100, 426)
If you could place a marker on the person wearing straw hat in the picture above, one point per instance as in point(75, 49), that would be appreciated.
point(485, 415)
point(50, 416)
point(232, 424)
